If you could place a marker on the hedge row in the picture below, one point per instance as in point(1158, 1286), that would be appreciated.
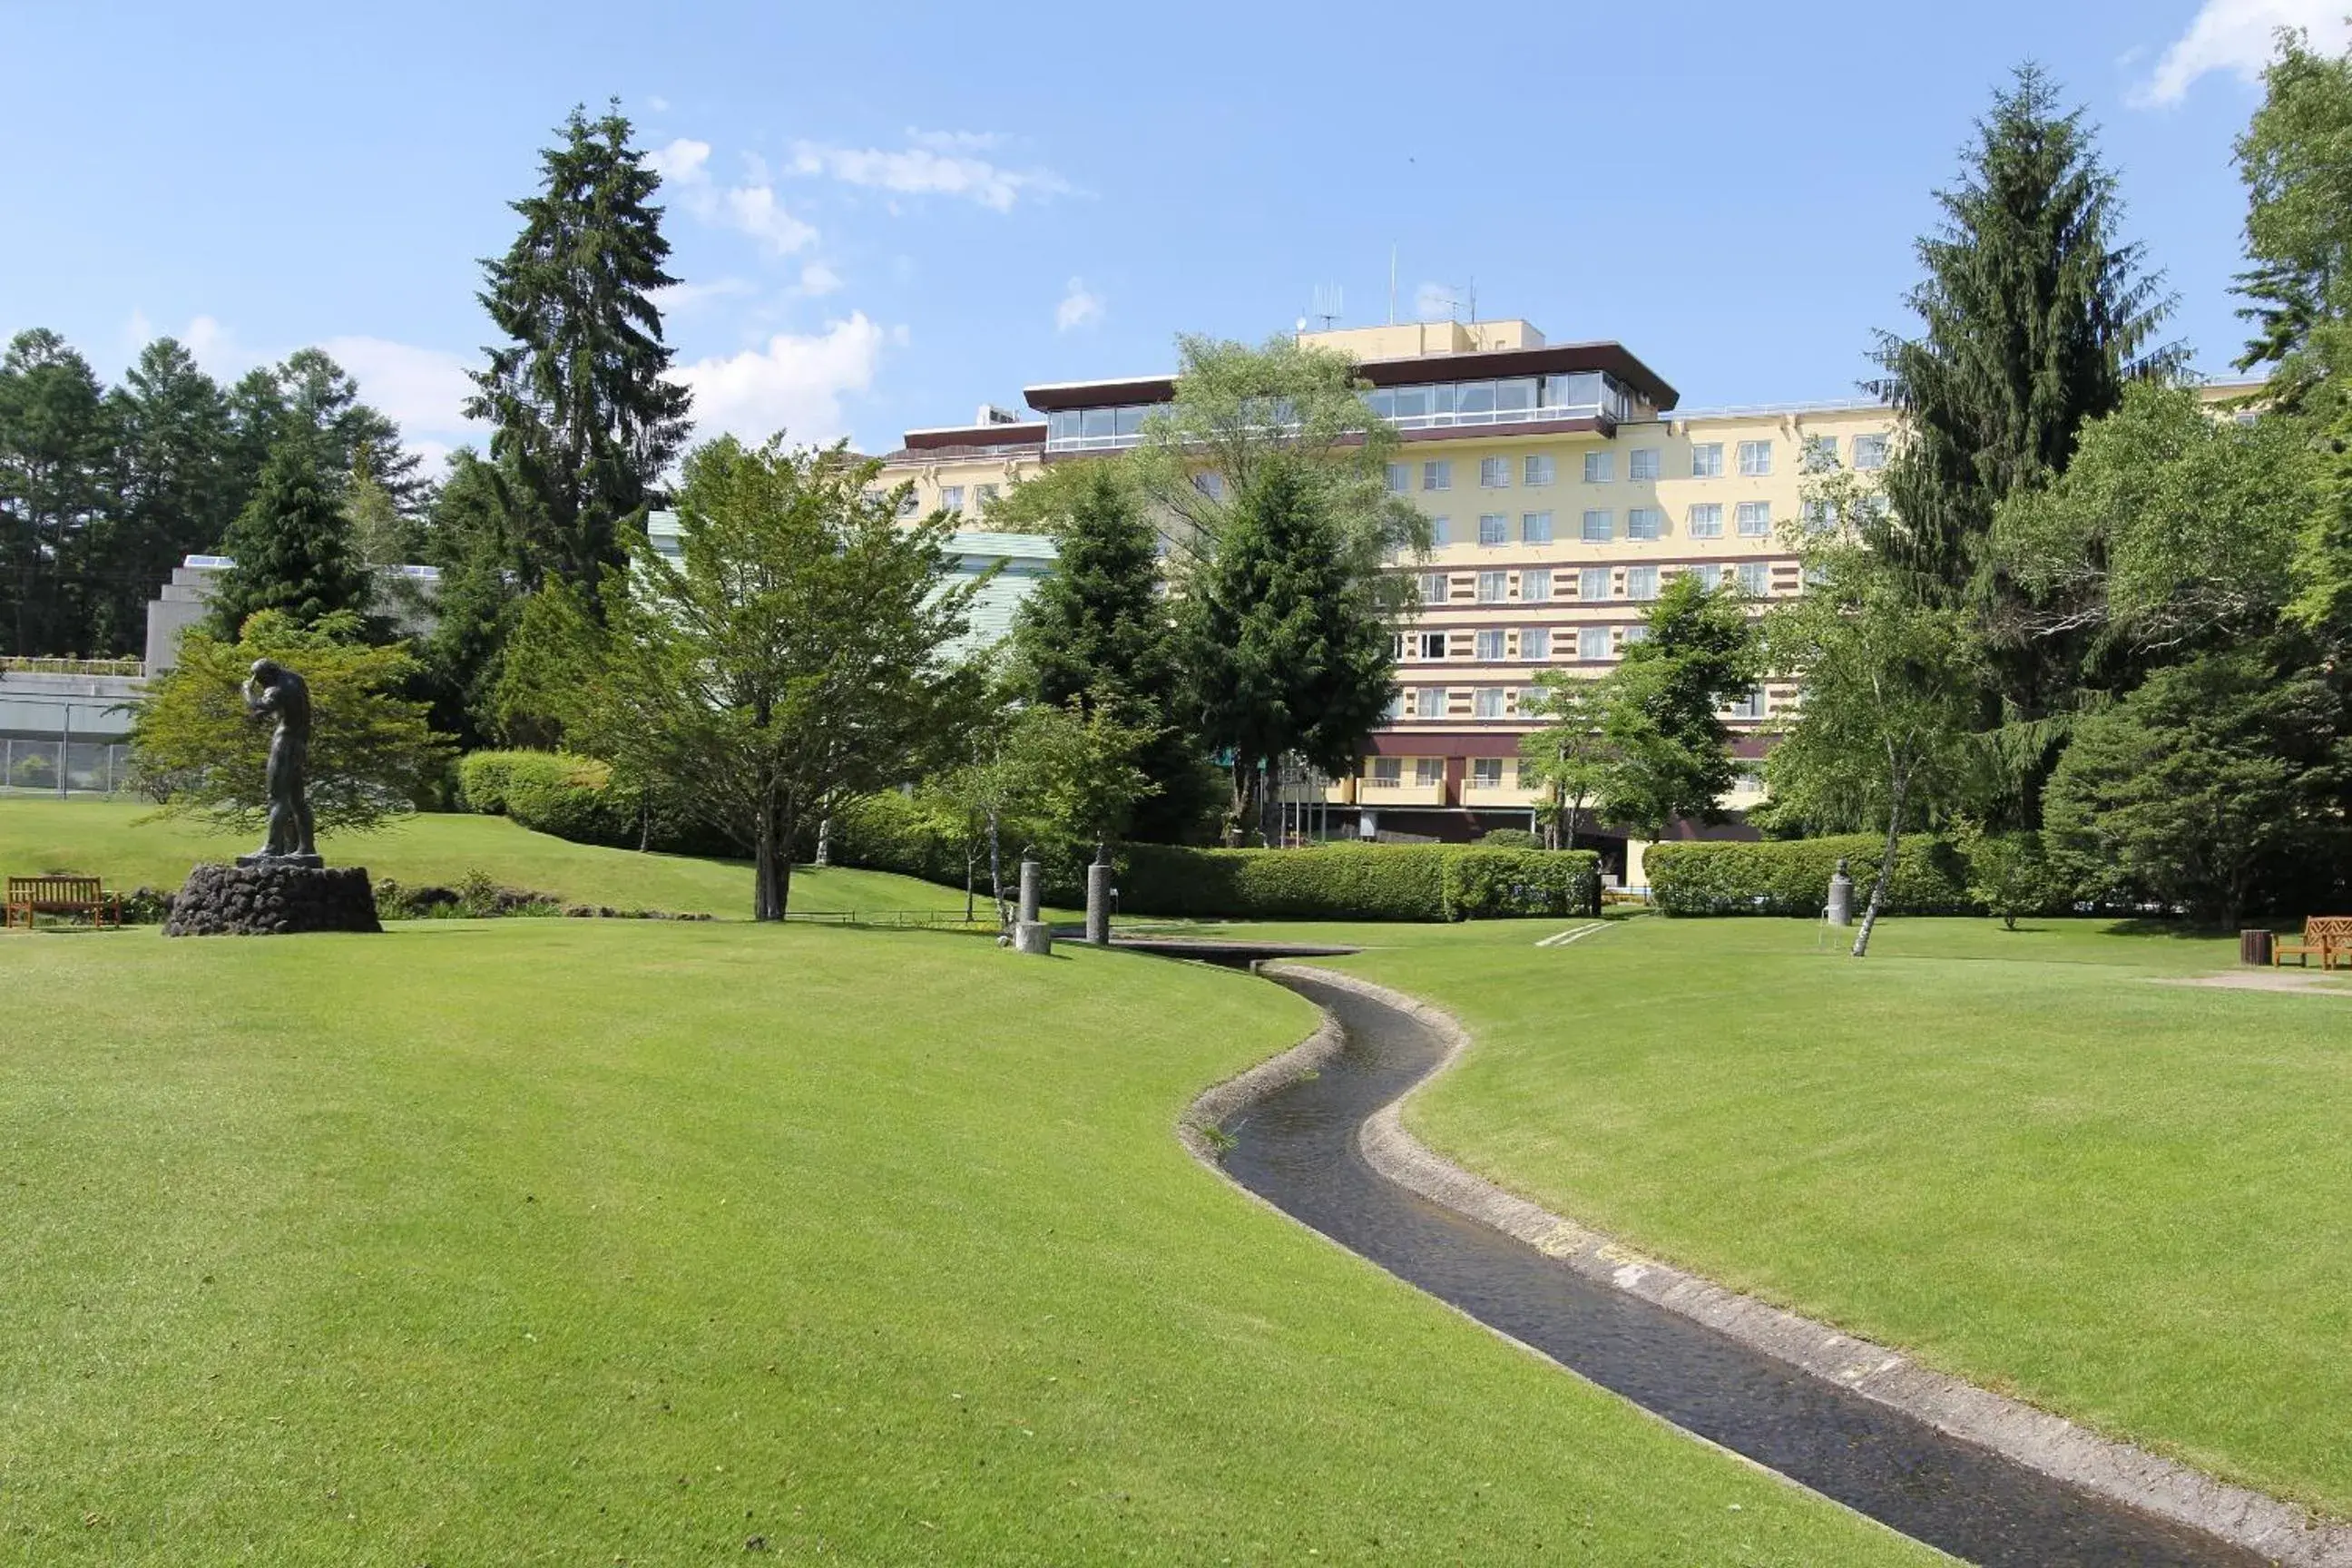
point(578, 798)
point(1330, 881)
point(1791, 876)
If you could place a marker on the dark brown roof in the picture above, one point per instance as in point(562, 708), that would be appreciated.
point(979, 436)
point(1417, 370)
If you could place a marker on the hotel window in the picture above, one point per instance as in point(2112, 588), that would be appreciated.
point(1400, 479)
point(1486, 702)
point(1599, 467)
point(1642, 463)
point(1535, 527)
point(911, 503)
point(1388, 771)
point(1428, 772)
point(1642, 582)
point(1754, 518)
point(1210, 485)
point(1434, 586)
point(1870, 451)
point(1437, 473)
point(1821, 516)
point(1755, 459)
point(951, 498)
point(1493, 587)
point(1538, 470)
point(1600, 527)
point(1706, 461)
point(1592, 583)
point(1637, 634)
point(1726, 576)
point(1646, 522)
point(1486, 772)
point(1535, 643)
point(1395, 709)
point(1494, 528)
point(1591, 642)
point(987, 493)
point(1535, 584)
point(1493, 473)
point(1755, 578)
point(1438, 528)
point(1429, 702)
point(1424, 645)
point(1533, 704)
point(1706, 520)
point(1490, 645)
point(1820, 455)
point(1748, 704)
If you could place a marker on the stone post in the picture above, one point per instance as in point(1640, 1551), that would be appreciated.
point(1030, 873)
point(1098, 899)
point(1840, 911)
point(1030, 934)
point(825, 842)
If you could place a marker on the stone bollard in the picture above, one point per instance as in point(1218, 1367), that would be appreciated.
point(1031, 874)
point(825, 842)
point(1842, 896)
point(1099, 904)
point(1033, 937)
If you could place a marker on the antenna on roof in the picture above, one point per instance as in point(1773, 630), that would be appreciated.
point(1329, 304)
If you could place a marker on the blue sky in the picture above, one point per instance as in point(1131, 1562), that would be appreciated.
point(885, 216)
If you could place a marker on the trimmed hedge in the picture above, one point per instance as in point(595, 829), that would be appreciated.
point(578, 798)
point(1791, 876)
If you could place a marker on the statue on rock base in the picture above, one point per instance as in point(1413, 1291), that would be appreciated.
point(276, 692)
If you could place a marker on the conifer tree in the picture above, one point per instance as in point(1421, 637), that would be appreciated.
point(1100, 631)
point(293, 547)
point(584, 419)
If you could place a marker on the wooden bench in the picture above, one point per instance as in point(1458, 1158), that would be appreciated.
point(29, 896)
point(2329, 936)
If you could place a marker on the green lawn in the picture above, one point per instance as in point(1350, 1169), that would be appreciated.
point(110, 839)
point(2014, 1155)
point(591, 1243)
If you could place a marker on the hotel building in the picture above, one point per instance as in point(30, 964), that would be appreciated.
point(1565, 484)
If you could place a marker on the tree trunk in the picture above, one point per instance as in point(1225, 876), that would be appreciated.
point(771, 864)
point(970, 870)
point(996, 870)
point(1902, 785)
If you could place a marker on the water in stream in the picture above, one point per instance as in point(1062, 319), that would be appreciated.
point(1298, 1148)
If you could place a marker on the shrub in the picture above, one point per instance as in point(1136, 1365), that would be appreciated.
point(1792, 877)
point(1357, 881)
point(482, 778)
point(1508, 839)
point(1484, 883)
point(581, 799)
point(2011, 875)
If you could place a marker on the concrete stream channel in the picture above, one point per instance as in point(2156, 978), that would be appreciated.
point(1298, 1149)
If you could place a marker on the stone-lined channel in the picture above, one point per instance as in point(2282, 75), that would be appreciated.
point(1298, 1148)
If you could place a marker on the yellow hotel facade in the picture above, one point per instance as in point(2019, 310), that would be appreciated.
point(1565, 484)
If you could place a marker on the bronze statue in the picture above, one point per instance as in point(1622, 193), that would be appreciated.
point(276, 692)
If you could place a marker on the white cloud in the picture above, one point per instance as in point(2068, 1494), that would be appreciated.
point(1079, 307)
point(658, 104)
point(2238, 37)
point(817, 279)
point(684, 161)
point(939, 164)
point(681, 297)
point(1435, 303)
point(755, 210)
point(419, 388)
point(794, 384)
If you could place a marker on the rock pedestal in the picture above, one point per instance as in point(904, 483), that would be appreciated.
point(272, 898)
point(1099, 891)
point(1033, 937)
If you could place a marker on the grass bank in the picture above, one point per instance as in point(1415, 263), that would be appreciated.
point(109, 838)
point(2017, 1155)
point(495, 1242)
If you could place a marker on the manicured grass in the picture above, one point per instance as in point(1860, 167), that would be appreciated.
point(110, 839)
point(588, 1243)
point(2013, 1154)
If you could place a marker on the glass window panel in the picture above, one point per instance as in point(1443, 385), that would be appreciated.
point(1584, 389)
point(951, 497)
point(1600, 527)
point(1097, 422)
point(1381, 400)
point(1755, 459)
point(1062, 425)
point(1495, 473)
point(1642, 582)
point(1432, 587)
point(1512, 397)
point(1538, 469)
point(1754, 518)
point(1400, 479)
point(1474, 397)
point(1755, 578)
point(1429, 771)
point(1437, 475)
point(1706, 461)
point(1412, 402)
point(1599, 467)
point(1592, 642)
point(1490, 647)
point(1535, 528)
point(1535, 584)
point(1535, 642)
point(1438, 529)
point(1130, 420)
point(1870, 451)
point(1493, 587)
point(1707, 521)
point(1494, 528)
point(1646, 522)
point(1592, 583)
point(1486, 702)
point(1642, 463)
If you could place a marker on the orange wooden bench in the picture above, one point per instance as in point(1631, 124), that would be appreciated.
point(2329, 936)
point(29, 896)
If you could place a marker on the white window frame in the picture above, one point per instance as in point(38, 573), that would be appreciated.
point(1707, 459)
point(1641, 583)
point(1642, 465)
point(1608, 526)
point(1586, 576)
point(1535, 528)
point(1437, 473)
point(1435, 587)
point(1599, 467)
point(1535, 584)
point(1428, 772)
point(1494, 529)
point(1874, 443)
point(1534, 644)
point(1755, 578)
point(1485, 772)
point(1493, 473)
point(1754, 519)
point(1656, 523)
point(1705, 519)
point(1490, 645)
point(1486, 702)
point(1493, 587)
point(1591, 643)
point(1429, 701)
point(1756, 459)
point(1538, 469)
point(1400, 476)
point(951, 498)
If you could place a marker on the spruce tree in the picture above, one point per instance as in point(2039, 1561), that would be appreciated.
point(1099, 632)
point(584, 420)
point(293, 547)
point(174, 476)
point(1289, 644)
point(57, 447)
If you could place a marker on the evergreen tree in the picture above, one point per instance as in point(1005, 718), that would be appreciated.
point(57, 446)
point(292, 548)
point(174, 478)
point(1289, 645)
point(466, 535)
point(586, 421)
point(1100, 631)
point(2034, 316)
